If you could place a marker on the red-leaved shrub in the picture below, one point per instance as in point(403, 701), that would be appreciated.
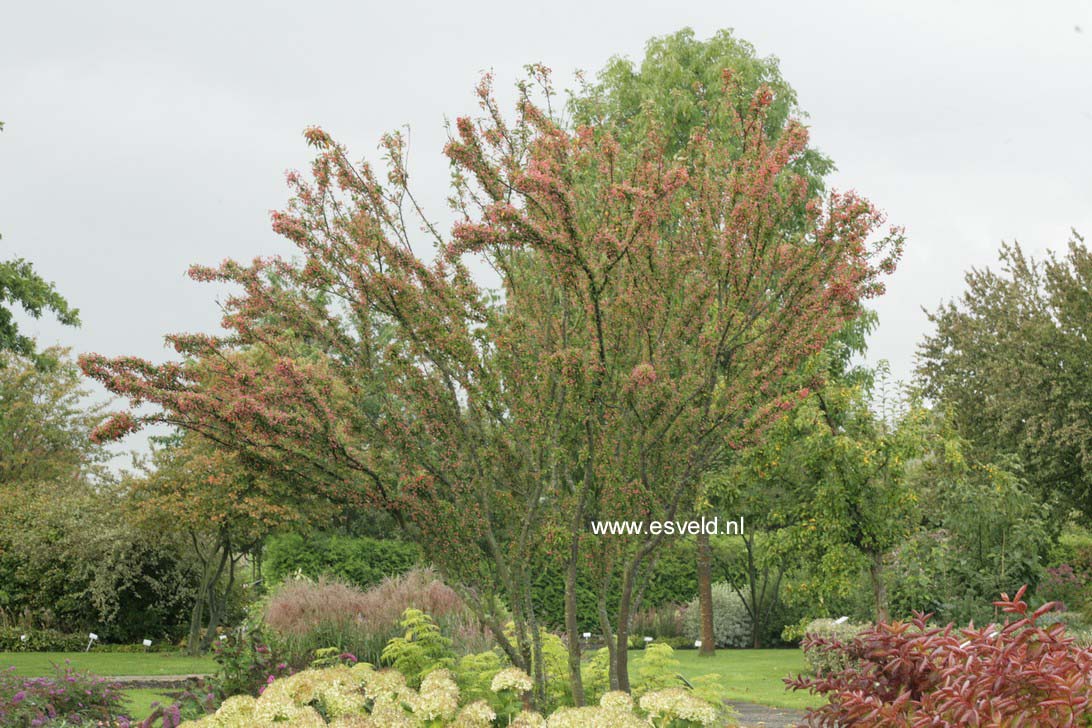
point(909, 674)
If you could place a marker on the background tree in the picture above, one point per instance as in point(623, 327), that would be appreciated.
point(69, 559)
point(1011, 361)
point(841, 459)
point(676, 87)
point(45, 423)
point(209, 500)
point(20, 285)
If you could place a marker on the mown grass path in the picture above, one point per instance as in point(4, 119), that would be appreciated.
point(32, 664)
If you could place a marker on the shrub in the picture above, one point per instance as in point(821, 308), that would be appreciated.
point(39, 640)
point(362, 696)
point(190, 705)
point(245, 664)
point(1062, 584)
point(657, 669)
point(911, 674)
point(731, 624)
point(420, 650)
point(360, 561)
point(820, 658)
point(69, 697)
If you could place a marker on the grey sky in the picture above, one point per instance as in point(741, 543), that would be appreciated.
point(141, 137)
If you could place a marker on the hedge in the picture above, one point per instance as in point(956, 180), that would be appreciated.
point(360, 560)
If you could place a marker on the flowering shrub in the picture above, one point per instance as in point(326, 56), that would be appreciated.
point(913, 675)
point(361, 697)
point(245, 664)
point(68, 698)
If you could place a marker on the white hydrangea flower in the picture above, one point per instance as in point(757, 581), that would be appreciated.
point(617, 700)
point(678, 703)
point(352, 721)
point(362, 672)
point(385, 683)
point(392, 713)
point(511, 678)
point(438, 697)
point(236, 708)
point(593, 717)
point(527, 719)
point(475, 715)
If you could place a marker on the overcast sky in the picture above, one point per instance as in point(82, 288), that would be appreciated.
point(141, 137)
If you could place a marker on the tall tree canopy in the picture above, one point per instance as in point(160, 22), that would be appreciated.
point(653, 315)
point(1011, 361)
point(21, 286)
point(45, 423)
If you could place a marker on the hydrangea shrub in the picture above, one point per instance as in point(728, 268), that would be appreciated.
point(362, 697)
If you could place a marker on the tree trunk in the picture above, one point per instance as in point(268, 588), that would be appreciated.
point(571, 624)
point(705, 595)
point(879, 589)
point(193, 644)
point(608, 633)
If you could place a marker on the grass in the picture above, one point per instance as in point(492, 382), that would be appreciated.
point(33, 664)
point(750, 676)
point(141, 699)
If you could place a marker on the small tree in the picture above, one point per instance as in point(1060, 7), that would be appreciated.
point(221, 509)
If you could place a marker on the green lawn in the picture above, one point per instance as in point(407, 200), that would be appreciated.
point(751, 676)
point(141, 699)
point(108, 663)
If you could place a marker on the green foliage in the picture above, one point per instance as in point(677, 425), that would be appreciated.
point(731, 623)
point(1011, 360)
point(983, 532)
point(70, 562)
point(20, 285)
point(39, 640)
point(245, 663)
point(361, 561)
point(596, 674)
point(672, 581)
point(422, 649)
point(46, 422)
point(680, 79)
point(820, 658)
point(474, 673)
point(657, 668)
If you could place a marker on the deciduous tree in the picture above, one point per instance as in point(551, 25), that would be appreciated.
point(652, 316)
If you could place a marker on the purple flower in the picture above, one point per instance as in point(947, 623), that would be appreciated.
point(19, 696)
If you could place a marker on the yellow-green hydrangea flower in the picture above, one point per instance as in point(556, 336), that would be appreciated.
point(617, 700)
point(678, 703)
point(438, 697)
point(527, 719)
point(593, 717)
point(511, 678)
point(475, 715)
